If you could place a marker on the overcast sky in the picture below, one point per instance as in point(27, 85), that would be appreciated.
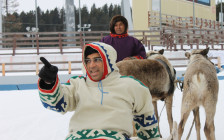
point(27, 5)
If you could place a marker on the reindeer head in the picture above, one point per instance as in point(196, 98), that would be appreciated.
point(201, 52)
point(198, 54)
point(152, 53)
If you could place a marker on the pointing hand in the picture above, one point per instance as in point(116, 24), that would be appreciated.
point(48, 72)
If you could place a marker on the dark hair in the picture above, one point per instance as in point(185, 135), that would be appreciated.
point(89, 50)
point(114, 20)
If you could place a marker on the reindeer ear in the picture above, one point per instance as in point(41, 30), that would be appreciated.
point(188, 55)
point(161, 51)
point(205, 51)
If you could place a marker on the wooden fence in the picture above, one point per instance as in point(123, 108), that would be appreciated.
point(66, 42)
point(173, 37)
point(181, 22)
point(35, 66)
point(72, 42)
point(181, 31)
point(11, 43)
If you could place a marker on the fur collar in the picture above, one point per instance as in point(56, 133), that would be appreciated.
point(119, 36)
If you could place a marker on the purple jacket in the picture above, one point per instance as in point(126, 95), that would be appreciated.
point(126, 46)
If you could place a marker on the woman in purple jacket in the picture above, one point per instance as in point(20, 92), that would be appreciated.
point(126, 46)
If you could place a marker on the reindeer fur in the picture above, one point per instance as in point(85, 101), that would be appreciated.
point(200, 89)
point(155, 76)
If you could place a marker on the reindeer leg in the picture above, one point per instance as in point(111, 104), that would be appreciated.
point(169, 102)
point(209, 128)
point(197, 122)
point(184, 116)
point(156, 113)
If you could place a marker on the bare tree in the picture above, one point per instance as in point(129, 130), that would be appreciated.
point(10, 6)
point(11, 21)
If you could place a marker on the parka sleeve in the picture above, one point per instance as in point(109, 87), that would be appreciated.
point(145, 121)
point(60, 98)
point(139, 51)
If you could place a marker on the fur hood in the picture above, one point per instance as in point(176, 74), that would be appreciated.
point(107, 53)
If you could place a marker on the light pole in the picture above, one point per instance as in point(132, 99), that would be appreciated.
point(31, 31)
point(79, 15)
point(160, 15)
point(0, 22)
point(36, 15)
point(193, 15)
point(85, 26)
point(221, 15)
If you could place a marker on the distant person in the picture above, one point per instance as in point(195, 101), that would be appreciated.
point(105, 103)
point(127, 47)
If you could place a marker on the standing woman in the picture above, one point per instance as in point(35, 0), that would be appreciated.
point(127, 47)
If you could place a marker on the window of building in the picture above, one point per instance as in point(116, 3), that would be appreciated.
point(155, 5)
point(204, 2)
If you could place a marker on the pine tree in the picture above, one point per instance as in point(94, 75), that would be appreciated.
point(12, 23)
point(53, 20)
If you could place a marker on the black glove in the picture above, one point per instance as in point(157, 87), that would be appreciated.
point(48, 72)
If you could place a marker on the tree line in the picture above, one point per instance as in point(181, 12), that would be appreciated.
point(54, 20)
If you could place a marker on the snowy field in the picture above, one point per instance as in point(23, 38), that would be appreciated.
point(24, 118)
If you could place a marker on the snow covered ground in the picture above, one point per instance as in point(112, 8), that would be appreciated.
point(22, 117)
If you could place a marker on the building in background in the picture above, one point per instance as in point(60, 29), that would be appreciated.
point(204, 9)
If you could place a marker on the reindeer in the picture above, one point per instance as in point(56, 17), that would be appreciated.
point(157, 74)
point(200, 89)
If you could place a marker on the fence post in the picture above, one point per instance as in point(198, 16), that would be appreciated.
point(210, 23)
point(173, 23)
point(219, 62)
point(181, 44)
point(188, 39)
point(14, 45)
point(81, 40)
point(162, 37)
point(60, 43)
point(101, 35)
point(37, 43)
point(202, 38)
point(193, 38)
point(69, 67)
point(212, 44)
point(171, 42)
point(37, 68)
point(149, 45)
point(217, 25)
point(197, 41)
point(186, 25)
point(144, 41)
point(217, 38)
point(167, 41)
point(201, 24)
point(3, 69)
